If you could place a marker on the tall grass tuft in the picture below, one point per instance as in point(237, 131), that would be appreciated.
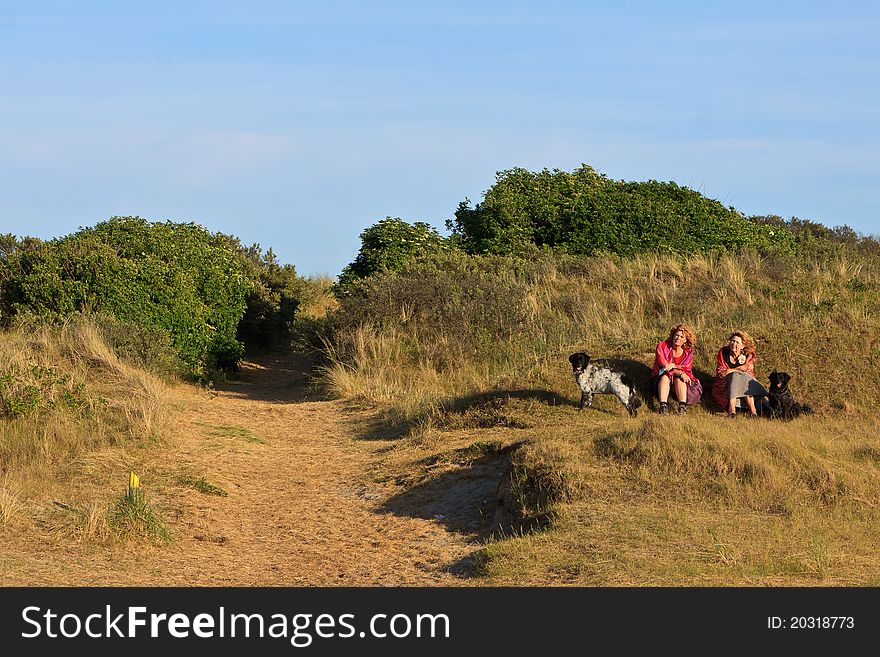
point(133, 516)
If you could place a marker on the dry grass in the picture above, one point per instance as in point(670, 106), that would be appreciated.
point(375, 369)
point(93, 522)
point(67, 395)
point(696, 500)
point(10, 502)
point(818, 320)
point(82, 522)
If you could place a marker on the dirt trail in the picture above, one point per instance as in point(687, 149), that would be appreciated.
point(302, 508)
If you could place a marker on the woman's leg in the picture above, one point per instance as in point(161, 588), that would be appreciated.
point(663, 389)
point(751, 402)
point(731, 406)
point(681, 391)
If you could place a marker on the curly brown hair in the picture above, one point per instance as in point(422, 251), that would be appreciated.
point(690, 339)
point(748, 342)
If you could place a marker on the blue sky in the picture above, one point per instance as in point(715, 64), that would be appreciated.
point(299, 124)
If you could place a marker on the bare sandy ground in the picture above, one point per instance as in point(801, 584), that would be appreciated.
point(304, 504)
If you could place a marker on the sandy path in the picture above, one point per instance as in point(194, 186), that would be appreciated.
point(302, 508)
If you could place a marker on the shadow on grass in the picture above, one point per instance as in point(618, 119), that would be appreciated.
point(463, 499)
point(388, 426)
point(470, 566)
point(472, 498)
point(282, 378)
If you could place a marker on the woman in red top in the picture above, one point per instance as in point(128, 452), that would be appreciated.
point(673, 367)
point(735, 375)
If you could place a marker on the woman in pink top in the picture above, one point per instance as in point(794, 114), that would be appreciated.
point(673, 367)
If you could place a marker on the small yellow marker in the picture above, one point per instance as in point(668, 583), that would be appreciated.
point(133, 481)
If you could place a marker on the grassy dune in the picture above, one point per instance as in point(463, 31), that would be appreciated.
point(65, 397)
point(815, 317)
point(599, 498)
point(694, 501)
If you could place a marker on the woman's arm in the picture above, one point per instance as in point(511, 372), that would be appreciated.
point(721, 367)
point(746, 368)
point(666, 366)
point(660, 356)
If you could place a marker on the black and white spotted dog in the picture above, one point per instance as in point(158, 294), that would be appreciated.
point(594, 380)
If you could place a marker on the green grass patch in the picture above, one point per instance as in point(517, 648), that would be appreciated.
point(239, 433)
point(202, 485)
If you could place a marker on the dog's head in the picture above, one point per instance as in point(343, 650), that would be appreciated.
point(579, 361)
point(634, 402)
point(778, 381)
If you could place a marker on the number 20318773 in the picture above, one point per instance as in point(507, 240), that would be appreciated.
point(811, 623)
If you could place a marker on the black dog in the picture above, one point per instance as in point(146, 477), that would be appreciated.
point(594, 380)
point(782, 403)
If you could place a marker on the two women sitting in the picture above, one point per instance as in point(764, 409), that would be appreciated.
point(734, 387)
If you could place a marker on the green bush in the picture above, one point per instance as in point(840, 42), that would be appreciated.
point(585, 213)
point(225, 353)
point(177, 277)
point(272, 301)
point(10, 244)
point(389, 245)
point(147, 347)
point(812, 237)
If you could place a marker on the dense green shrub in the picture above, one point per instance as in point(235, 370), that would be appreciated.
point(272, 301)
point(813, 237)
point(10, 244)
point(390, 244)
point(584, 212)
point(178, 277)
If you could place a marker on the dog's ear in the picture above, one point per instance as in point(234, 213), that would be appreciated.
point(572, 358)
point(784, 378)
point(772, 374)
point(586, 358)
